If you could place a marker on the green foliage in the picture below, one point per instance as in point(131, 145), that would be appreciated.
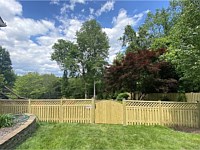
point(163, 42)
point(33, 85)
point(165, 98)
point(6, 67)
point(6, 120)
point(122, 96)
point(7, 76)
point(134, 42)
point(75, 88)
point(66, 55)
point(184, 50)
point(86, 59)
point(100, 136)
point(182, 97)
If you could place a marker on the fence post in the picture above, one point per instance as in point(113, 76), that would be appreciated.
point(93, 111)
point(0, 108)
point(198, 107)
point(29, 106)
point(160, 112)
point(124, 112)
point(61, 111)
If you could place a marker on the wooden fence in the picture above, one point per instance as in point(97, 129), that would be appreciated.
point(79, 111)
point(188, 97)
point(162, 113)
point(130, 112)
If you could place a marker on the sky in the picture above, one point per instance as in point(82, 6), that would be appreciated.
point(34, 26)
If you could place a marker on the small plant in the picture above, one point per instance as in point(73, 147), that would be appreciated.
point(122, 96)
point(6, 120)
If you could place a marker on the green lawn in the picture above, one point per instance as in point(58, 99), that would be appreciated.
point(96, 136)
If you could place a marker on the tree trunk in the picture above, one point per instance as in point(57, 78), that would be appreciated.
point(14, 93)
point(142, 96)
point(131, 95)
point(85, 91)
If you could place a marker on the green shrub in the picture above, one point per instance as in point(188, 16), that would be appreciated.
point(6, 120)
point(122, 96)
point(181, 97)
point(165, 98)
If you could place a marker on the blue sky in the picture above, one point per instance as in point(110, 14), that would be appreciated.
point(34, 26)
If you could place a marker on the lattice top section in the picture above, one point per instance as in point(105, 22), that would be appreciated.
point(14, 102)
point(179, 105)
point(77, 102)
point(142, 104)
point(45, 102)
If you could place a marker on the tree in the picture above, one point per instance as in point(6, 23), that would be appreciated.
point(6, 67)
point(7, 76)
point(134, 42)
point(87, 58)
point(184, 50)
point(142, 71)
point(93, 45)
point(33, 85)
point(66, 55)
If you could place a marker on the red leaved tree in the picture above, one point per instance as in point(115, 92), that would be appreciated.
point(142, 71)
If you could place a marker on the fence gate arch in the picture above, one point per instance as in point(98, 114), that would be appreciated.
point(109, 112)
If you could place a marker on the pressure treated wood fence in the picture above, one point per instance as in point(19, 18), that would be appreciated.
point(188, 97)
point(130, 112)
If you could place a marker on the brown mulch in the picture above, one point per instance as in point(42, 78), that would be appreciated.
point(187, 129)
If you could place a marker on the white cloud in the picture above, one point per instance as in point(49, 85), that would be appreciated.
point(117, 30)
point(69, 27)
point(108, 6)
point(71, 6)
point(9, 9)
point(55, 2)
point(30, 41)
point(91, 11)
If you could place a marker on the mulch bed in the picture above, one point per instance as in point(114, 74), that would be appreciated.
point(187, 129)
point(18, 121)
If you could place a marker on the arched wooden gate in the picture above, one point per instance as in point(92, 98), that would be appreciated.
point(109, 112)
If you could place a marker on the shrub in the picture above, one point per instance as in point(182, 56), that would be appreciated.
point(6, 120)
point(165, 98)
point(122, 96)
point(181, 97)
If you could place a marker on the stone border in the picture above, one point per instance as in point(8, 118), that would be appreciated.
point(13, 139)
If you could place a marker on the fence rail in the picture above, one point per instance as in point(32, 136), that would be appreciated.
point(131, 112)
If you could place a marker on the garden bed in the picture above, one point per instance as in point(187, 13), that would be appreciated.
point(186, 129)
point(24, 125)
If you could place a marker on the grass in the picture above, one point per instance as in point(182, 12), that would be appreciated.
point(99, 136)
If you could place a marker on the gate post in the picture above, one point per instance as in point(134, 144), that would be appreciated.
point(29, 106)
point(61, 111)
point(124, 112)
point(93, 111)
point(160, 113)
